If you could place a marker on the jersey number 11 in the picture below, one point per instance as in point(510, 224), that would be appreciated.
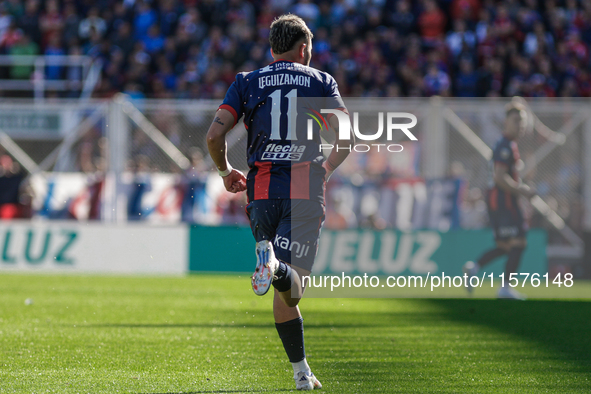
point(292, 113)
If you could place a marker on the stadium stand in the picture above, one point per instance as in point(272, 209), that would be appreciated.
point(193, 49)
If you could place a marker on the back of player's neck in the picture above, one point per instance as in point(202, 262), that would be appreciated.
point(284, 59)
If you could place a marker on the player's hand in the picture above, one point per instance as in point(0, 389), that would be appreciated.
point(235, 181)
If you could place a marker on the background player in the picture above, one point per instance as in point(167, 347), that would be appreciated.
point(285, 191)
point(505, 215)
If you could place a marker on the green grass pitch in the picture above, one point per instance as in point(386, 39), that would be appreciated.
point(210, 334)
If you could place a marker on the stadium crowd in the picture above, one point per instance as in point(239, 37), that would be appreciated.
point(193, 48)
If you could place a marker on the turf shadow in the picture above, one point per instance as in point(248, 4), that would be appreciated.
point(183, 325)
point(205, 325)
point(563, 327)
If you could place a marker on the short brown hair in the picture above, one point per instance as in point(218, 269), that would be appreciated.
point(286, 31)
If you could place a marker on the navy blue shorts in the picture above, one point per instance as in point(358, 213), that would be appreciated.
point(507, 223)
point(292, 226)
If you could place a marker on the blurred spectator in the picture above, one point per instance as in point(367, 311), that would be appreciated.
point(503, 24)
point(145, 17)
point(23, 47)
point(432, 22)
point(71, 23)
point(402, 19)
point(120, 15)
point(51, 22)
point(123, 38)
point(240, 11)
point(465, 10)
point(307, 10)
point(436, 81)
point(15, 198)
point(460, 38)
point(190, 23)
point(141, 185)
point(154, 41)
point(169, 15)
point(193, 186)
point(15, 8)
point(93, 22)
point(11, 36)
point(538, 39)
point(54, 48)
point(29, 21)
point(5, 19)
point(466, 80)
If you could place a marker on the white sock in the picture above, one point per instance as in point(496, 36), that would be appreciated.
point(301, 366)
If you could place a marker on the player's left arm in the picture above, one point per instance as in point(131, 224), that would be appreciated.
point(343, 146)
point(504, 181)
point(341, 150)
point(224, 121)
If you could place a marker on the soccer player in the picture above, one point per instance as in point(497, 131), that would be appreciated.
point(504, 212)
point(286, 181)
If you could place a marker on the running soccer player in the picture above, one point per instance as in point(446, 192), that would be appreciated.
point(286, 181)
point(504, 212)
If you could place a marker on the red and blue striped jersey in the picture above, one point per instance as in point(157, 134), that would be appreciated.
point(283, 155)
point(505, 153)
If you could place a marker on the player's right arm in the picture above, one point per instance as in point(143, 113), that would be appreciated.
point(504, 181)
point(225, 119)
point(234, 180)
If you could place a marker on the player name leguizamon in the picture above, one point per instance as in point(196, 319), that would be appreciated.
point(284, 79)
point(290, 152)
